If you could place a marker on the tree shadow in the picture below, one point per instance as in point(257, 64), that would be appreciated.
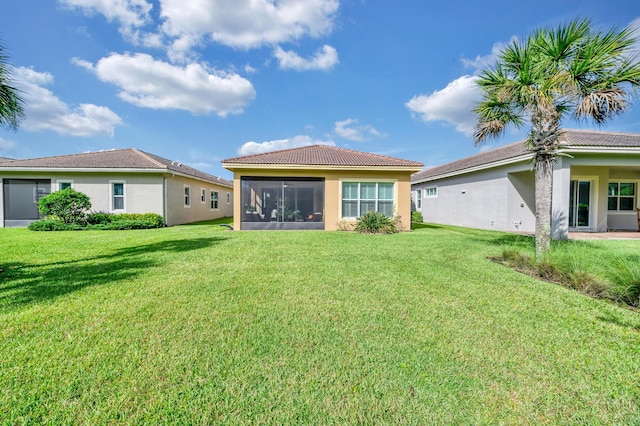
point(23, 284)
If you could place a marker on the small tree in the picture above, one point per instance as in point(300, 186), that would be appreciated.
point(68, 204)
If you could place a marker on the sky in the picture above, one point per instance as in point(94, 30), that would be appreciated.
point(200, 81)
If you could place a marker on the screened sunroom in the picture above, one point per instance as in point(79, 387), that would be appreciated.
point(282, 203)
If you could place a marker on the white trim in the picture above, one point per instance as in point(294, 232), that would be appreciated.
point(186, 196)
point(427, 189)
point(211, 192)
point(60, 181)
point(636, 197)
point(111, 171)
point(112, 196)
point(203, 195)
point(232, 166)
point(477, 168)
point(366, 180)
point(593, 202)
point(228, 197)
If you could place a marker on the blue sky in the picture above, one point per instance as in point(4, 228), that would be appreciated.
point(199, 81)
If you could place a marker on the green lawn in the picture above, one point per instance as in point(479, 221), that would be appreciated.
point(198, 325)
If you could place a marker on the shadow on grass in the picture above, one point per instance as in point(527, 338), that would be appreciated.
point(22, 284)
point(424, 225)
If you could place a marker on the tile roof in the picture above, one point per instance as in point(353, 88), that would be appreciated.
point(130, 158)
point(570, 139)
point(5, 159)
point(321, 155)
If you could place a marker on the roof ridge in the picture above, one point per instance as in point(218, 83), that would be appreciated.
point(147, 156)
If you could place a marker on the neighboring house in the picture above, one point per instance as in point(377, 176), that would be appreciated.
point(116, 181)
point(316, 187)
point(595, 187)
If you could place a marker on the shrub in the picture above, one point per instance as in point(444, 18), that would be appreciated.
point(375, 223)
point(416, 217)
point(68, 204)
point(152, 219)
point(95, 218)
point(53, 225)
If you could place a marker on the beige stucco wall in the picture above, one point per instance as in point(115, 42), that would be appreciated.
point(333, 189)
point(178, 213)
point(143, 193)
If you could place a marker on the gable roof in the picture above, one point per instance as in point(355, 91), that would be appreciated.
point(5, 159)
point(570, 140)
point(320, 155)
point(130, 159)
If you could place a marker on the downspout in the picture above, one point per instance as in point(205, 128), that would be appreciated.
point(164, 199)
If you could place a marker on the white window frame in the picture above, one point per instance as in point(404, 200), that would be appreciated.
point(112, 196)
point(228, 198)
point(341, 199)
point(203, 196)
point(418, 199)
point(211, 200)
point(186, 196)
point(61, 181)
point(635, 196)
point(431, 192)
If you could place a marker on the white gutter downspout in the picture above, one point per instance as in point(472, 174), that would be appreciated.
point(164, 199)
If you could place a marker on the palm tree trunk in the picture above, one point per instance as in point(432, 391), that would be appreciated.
point(544, 184)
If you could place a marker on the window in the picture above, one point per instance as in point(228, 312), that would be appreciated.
point(228, 198)
point(419, 199)
point(621, 196)
point(117, 195)
point(359, 198)
point(187, 196)
point(203, 195)
point(431, 192)
point(64, 184)
point(214, 200)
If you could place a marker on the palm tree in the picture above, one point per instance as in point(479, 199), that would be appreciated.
point(11, 104)
point(569, 70)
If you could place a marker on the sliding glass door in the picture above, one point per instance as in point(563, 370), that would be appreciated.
point(580, 204)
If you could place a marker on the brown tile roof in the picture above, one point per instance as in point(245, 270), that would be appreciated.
point(321, 155)
point(570, 139)
point(113, 159)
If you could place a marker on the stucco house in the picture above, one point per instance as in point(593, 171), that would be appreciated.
point(116, 181)
point(595, 187)
point(318, 186)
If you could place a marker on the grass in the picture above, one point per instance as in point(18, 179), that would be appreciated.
point(194, 324)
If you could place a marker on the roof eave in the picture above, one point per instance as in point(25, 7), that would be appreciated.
point(478, 168)
point(163, 170)
point(244, 166)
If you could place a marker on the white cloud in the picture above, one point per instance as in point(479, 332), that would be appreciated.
point(250, 148)
point(453, 104)
point(6, 147)
point(482, 62)
point(635, 26)
point(149, 83)
point(248, 24)
point(45, 111)
point(131, 14)
point(324, 59)
point(349, 129)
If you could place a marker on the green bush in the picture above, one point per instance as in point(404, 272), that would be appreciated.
point(154, 220)
point(103, 221)
point(416, 217)
point(68, 205)
point(53, 225)
point(150, 220)
point(375, 223)
point(95, 218)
